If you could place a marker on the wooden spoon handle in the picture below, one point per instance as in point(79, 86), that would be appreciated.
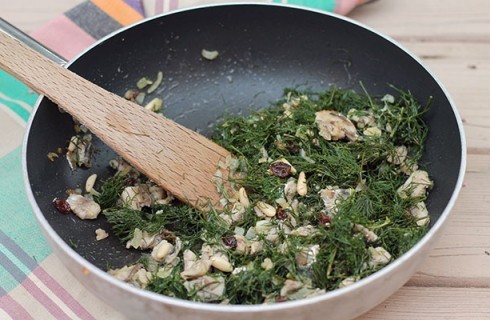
point(178, 159)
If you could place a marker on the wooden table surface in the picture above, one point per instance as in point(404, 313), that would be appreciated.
point(452, 37)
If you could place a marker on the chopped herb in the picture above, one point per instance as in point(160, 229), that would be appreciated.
point(110, 191)
point(170, 285)
point(72, 244)
point(320, 205)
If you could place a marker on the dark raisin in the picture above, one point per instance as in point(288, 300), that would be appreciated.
point(280, 169)
point(168, 235)
point(292, 146)
point(130, 182)
point(281, 299)
point(62, 205)
point(230, 241)
point(325, 218)
point(281, 214)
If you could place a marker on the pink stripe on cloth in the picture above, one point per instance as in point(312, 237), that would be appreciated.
point(158, 6)
point(13, 308)
point(43, 299)
point(174, 5)
point(63, 37)
point(345, 6)
point(61, 292)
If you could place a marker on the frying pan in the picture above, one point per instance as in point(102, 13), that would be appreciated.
point(262, 50)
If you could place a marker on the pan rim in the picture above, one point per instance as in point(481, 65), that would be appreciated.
point(199, 306)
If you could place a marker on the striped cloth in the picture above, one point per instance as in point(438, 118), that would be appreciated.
point(33, 282)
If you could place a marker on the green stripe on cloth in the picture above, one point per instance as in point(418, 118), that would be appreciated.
point(16, 96)
point(16, 218)
point(328, 5)
point(12, 87)
point(21, 112)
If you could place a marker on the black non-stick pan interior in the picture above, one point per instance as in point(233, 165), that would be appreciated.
point(262, 50)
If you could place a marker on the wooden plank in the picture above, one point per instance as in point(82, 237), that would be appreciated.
point(478, 163)
point(411, 303)
point(429, 20)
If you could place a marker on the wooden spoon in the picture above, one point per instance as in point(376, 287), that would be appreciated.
point(176, 158)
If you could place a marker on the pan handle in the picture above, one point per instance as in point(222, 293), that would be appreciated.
point(30, 42)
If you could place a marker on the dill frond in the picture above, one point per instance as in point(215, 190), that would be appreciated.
point(271, 134)
point(110, 191)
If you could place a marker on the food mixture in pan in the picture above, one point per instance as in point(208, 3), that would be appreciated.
point(328, 190)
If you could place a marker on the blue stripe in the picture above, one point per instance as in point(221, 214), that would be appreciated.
point(14, 271)
point(136, 5)
point(16, 250)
